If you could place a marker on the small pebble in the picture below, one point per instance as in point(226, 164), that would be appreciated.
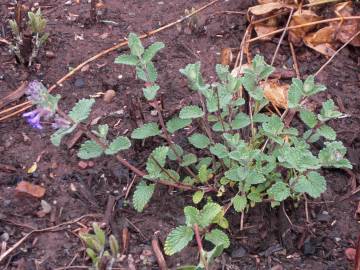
point(109, 95)
point(50, 54)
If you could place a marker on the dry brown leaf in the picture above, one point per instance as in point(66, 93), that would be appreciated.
point(323, 35)
point(261, 2)
point(27, 188)
point(346, 29)
point(226, 56)
point(265, 9)
point(324, 48)
point(301, 17)
point(261, 30)
point(276, 93)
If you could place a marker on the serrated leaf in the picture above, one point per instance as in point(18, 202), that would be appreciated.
point(279, 191)
point(241, 120)
point(254, 178)
point(156, 161)
point(191, 112)
point(170, 175)
point(295, 93)
point(178, 152)
point(59, 134)
point(327, 132)
point(191, 215)
point(152, 50)
point(178, 239)
point(176, 123)
point(298, 158)
point(309, 118)
point(100, 234)
point(199, 140)
point(102, 131)
point(239, 203)
point(126, 59)
point(261, 68)
point(328, 111)
point(333, 155)
point(90, 149)
point(254, 197)
point(151, 91)
point(208, 214)
point(313, 184)
point(188, 159)
point(118, 144)
point(192, 72)
point(203, 173)
point(147, 130)
point(222, 72)
point(81, 110)
point(219, 150)
point(135, 45)
point(142, 195)
point(218, 237)
point(198, 196)
point(311, 88)
point(151, 72)
point(274, 126)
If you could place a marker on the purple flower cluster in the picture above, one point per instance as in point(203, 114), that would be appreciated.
point(38, 94)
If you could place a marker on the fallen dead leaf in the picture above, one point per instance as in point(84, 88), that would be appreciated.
point(32, 169)
point(226, 57)
point(267, 8)
point(261, 30)
point(27, 188)
point(276, 93)
point(321, 41)
point(301, 17)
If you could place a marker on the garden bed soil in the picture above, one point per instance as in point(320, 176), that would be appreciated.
point(267, 241)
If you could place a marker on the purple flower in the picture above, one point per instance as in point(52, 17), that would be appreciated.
point(60, 122)
point(34, 117)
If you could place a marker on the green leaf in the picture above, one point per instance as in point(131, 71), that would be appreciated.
point(208, 214)
point(198, 196)
point(309, 118)
point(298, 158)
point(114, 245)
point(90, 149)
point(241, 120)
point(190, 112)
point(135, 45)
point(191, 215)
point(254, 178)
point(156, 161)
point(147, 130)
point(188, 159)
point(59, 134)
point(102, 131)
point(176, 123)
point(192, 72)
point(199, 140)
point(279, 191)
point(178, 239)
point(126, 59)
point(327, 132)
point(222, 72)
point(81, 110)
point(254, 196)
point(274, 126)
point(328, 111)
point(100, 234)
point(170, 175)
point(239, 203)
point(120, 143)
point(152, 50)
point(142, 195)
point(313, 184)
point(178, 152)
point(333, 155)
point(151, 91)
point(151, 72)
point(203, 173)
point(219, 150)
point(261, 68)
point(295, 93)
point(311, 88)
point(218, 237)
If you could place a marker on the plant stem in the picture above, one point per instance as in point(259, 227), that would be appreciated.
point(200, 246)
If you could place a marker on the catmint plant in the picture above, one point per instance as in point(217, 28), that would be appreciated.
point(36, 24)
point(96, 243)
point(237, 155)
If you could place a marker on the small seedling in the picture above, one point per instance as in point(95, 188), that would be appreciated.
point(96, 248)
point(36, 26)
point(237, 157)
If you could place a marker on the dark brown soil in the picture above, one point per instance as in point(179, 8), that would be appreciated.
point(268, 239)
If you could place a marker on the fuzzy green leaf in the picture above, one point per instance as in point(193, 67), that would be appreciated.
point(188, 159)
point(219, 150)
point(176, 123)
point(295, 93)
point(120, 143)
point(328, 111)
point(59, 134)
point(156, 161)
point(151, 91)
point(333, 155)
point(126, 59)
point(147, 130)
point(279, 191)
point(327, 132)
point(239, 203)
point(241, 120)
point(311, 88)
point(274, 126)
point(309, 118)
point(178, 239)
point(208, 214)
point(254, 178)
point(218, 237)
point(313, 184)
point(198, 196)
point(135, 45)
point(152, 50)
point(90, 149)
point(178, 152)
point(81, 110)
point(191, 215)
point(190, 112)
point(199, 140)
point(142, 195)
